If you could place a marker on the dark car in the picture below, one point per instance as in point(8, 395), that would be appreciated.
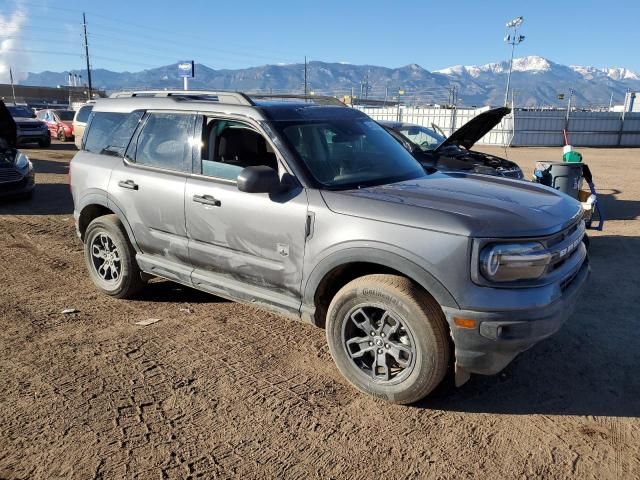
point(435, 151)
point(16, 171)
point(29, 130)
point(59, 122)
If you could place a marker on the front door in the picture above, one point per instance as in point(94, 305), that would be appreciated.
point(245, 245)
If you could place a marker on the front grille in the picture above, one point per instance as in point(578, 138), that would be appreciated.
point(513, 173)
point(9, 175)
point(29, 126)
point(564, 245)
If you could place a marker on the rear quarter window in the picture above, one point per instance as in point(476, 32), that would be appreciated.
point(110, 132)
point(83, 113)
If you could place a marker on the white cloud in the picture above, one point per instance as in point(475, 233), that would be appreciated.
point(11, 42)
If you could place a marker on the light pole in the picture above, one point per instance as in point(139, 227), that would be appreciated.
point(513, 40)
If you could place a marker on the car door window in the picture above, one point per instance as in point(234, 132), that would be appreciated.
point(229, 146)
point(166, 141)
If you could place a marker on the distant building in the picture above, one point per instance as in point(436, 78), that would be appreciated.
point(632, 102)
point(40, 97)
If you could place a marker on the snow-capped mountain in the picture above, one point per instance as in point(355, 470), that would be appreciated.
point(536, 81)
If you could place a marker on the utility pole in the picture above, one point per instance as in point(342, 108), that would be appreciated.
point(386, 94)
point(305, 76)
point(86, 52)
point(13, 89)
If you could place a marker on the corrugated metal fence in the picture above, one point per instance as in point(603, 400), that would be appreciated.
point(528, 128)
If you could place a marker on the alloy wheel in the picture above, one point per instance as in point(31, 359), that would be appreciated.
point(106, 257)
point(379, 343)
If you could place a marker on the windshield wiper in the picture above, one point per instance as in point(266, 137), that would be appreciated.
point(111, 150)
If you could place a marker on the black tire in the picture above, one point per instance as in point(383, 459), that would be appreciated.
point(61, 135)
point(128, 280)
point(424, 334)
point(45, 143)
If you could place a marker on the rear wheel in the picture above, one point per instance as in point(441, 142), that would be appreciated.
point(388, 338)
point(61, 135)
point(45, 142)
point(110, 258)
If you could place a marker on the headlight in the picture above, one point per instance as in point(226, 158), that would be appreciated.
point(22, 161)
point(509, 262)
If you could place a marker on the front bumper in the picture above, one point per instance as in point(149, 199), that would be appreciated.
point(499, 336)
point(19, 187)
point(33, 137)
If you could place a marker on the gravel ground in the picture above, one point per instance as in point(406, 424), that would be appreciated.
point(221, 390)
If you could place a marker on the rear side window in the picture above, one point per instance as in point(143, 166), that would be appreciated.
point(110, 132)
point(83, 113)
point(166, 141)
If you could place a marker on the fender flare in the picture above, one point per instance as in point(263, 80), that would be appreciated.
point(375, 256)
point(100, 197)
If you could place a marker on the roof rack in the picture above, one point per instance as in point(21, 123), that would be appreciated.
point(319, 99)
point(220, 96)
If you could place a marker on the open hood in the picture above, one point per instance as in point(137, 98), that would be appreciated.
point(476, 128)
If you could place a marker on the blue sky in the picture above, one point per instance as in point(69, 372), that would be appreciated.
point(135, 35)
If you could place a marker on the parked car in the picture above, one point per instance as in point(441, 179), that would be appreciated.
point(80, 122)
point(60, 122)
point(16, 171)
point(29, 130)
point(434, 150)
point(315, 211)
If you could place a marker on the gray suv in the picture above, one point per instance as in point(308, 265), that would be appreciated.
point(313, 210)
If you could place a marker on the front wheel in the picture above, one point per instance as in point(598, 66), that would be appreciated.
point(110, 258)
point(61, 135)
point(45, 143)
point(388, 338)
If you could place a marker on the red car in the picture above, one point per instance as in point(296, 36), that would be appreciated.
point(60, 123)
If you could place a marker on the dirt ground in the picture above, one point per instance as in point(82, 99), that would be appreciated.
point(222, 390)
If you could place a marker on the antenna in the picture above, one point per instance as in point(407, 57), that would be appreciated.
point(86, 52)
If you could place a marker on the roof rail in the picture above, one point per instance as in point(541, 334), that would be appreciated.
point(319, 99)
point(220, 96)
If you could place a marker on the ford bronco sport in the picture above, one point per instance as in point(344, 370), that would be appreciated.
point(315, 211)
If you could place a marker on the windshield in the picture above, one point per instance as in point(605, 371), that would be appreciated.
point(65, 115)
point(424, 138)
point(20, 111)
point(347, 151)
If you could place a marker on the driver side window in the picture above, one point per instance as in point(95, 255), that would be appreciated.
point(229, 146)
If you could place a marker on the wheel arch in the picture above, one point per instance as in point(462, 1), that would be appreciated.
point(336, 270)
point(96, 205)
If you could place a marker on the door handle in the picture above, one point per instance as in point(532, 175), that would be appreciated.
point(130, 184)
point(207, 200)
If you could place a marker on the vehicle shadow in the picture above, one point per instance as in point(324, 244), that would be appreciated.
point(55, 146)
point(47, 199)
point(165, 291)
point(589, 367)
point(617, 209)
point(49, 166)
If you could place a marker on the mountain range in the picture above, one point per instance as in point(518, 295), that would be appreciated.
point(535, 80)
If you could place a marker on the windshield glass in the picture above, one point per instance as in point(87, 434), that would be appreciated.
point(348, 151)
point(20, 111)
point(424, 138)
point(66, 115)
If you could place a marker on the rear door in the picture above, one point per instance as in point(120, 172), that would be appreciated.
point(149, 184)
point(247, 245)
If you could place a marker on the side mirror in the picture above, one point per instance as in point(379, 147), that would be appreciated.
point(259, 179)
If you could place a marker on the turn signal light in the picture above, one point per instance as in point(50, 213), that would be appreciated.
point(464, 322)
